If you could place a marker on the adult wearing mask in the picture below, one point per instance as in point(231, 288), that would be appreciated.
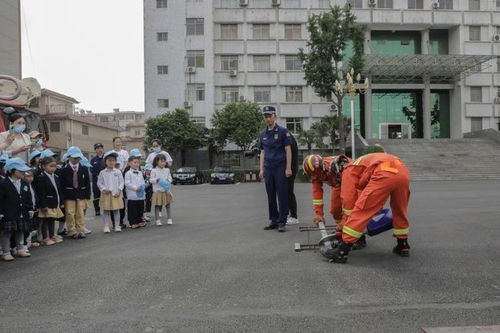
point(15, 142)
point(155, 150)
point(97, 164)
point(122, 154)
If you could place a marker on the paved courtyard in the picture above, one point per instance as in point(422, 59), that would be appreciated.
point(217, 270)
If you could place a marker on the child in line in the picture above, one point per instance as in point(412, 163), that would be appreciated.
point(149, 191)
point(16, 208)
point(75, 181)
point(135, 189)
point(161, 180)
point(110, 182)
point(49, 191)
point(118, 165)
point(29, 177)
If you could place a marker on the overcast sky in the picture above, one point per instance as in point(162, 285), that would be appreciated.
point(91, 50)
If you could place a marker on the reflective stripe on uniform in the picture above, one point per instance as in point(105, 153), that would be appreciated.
point(309, 162)
point(317, 202)
point(346, 211)
point(358, 160)
point(399, 232)
point(352, 232)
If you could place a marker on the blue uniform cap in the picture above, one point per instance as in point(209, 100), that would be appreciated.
point(135, 153)
point(34, 154)
point(110, 153)
point(269, 110)
point(74, 152)
point(148, 167)
point(4, 158)
point(85, 162)
point(47, 153)
point(16, 163)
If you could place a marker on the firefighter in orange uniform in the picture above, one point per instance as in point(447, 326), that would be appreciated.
point(366, 185)
point(320, 171)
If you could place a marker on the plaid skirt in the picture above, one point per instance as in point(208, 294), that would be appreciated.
point(19, 225)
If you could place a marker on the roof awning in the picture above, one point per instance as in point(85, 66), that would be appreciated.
point(416, 67)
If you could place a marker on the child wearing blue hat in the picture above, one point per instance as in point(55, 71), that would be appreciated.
point(16, 208)
point(136, 192)
point(111, 184)
point(162, 195)
point(75, 181)
point(149, 191)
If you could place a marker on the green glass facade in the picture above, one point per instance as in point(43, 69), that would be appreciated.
point(438, 42)
point(398, 42)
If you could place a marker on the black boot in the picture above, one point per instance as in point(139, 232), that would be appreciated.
point(402, 249)
point(360, 244)
point(340, 255)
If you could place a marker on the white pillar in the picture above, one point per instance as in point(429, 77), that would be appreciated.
point(368, 110)
point(424, 41)
point(426, 108)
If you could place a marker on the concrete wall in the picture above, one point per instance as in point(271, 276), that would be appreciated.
point(10, 38)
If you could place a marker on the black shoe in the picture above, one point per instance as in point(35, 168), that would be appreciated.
point(340, 254)
point(402, 249)
point(271, 227)
point(281, 228)
point(97, 214)
point(63, 233)
point(360, 244)
point(81, 235)
point(124, 226)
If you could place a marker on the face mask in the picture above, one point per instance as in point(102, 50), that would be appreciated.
point(38, 142)
point(155, 150)
point(18, 128)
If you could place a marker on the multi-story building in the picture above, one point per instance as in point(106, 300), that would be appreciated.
point(433, 65)
point(10, 38)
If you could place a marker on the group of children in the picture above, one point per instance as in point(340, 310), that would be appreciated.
point(33, 197)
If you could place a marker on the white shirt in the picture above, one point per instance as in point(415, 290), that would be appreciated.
point(52, 178)
point(74, 166)
point(133, 180)
point(111, 180)
point(156, 175)
point(122, 155)
point(19, 141)
point(152, 156)
point(33, 196)
point(17, 184)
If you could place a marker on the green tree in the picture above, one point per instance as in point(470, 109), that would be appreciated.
point(176, 132)
point(239, 123)
point(330, 33)
point(328, 127)
point(307, 138)
point(410, 113)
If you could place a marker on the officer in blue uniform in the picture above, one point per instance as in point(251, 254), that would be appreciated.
point(275, 167)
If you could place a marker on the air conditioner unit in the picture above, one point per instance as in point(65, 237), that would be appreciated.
point(243, 3)
point(435, 4)
point(372, 3)
point(242, 98)
point(188, 105)
point(276, 2)
point(233, 72)
point(191, 70)
point(497, 100)
point(496, 38)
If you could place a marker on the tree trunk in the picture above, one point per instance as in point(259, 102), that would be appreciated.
point(183, 157)
point(309, 149)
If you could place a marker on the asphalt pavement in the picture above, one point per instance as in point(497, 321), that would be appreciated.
point(217, 270)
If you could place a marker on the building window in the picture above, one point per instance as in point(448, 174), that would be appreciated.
point(324, 4)
point(196, 92)
point(229, 31)
point(476, 94)
point(474, 4)
point(162, 36)
point(229, 63)
point(355, 3)
point(474, 32)
point(293, 63)
point(196, 59)
point(162, 103)
point(446, 4)
point(294, 125)
point(230, 94)
point(35, 102)
point(55, 127)
point(85, 130)
point(229, 4)
point(498, 92)
point(293, 31)
point(498, 4)
point(294, 94)
point(161, 3)
point(325, 99)
point(261, 4)
point(476, 124)
point(261, 31)
point(262, 94)
point(498, 64)
point(291, 3)
point(415, 4)
point(162, 69)
point(262, 63)
point(385, 4)
point(195, 26)
point(198, 121)
point(137, 132)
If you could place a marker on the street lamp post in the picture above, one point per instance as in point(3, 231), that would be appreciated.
point(349, 87)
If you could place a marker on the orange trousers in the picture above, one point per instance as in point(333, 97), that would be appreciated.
point(382, 185)
point(336, 205)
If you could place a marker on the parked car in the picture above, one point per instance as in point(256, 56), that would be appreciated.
point(222, 174)
point(186, 175)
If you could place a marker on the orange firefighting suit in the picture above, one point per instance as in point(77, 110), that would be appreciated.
point(366, 185)
point(317, 193)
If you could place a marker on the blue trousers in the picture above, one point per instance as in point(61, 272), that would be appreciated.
point(277, 184)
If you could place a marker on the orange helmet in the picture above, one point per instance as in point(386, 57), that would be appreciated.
point(313, 166)
point(337, 166)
